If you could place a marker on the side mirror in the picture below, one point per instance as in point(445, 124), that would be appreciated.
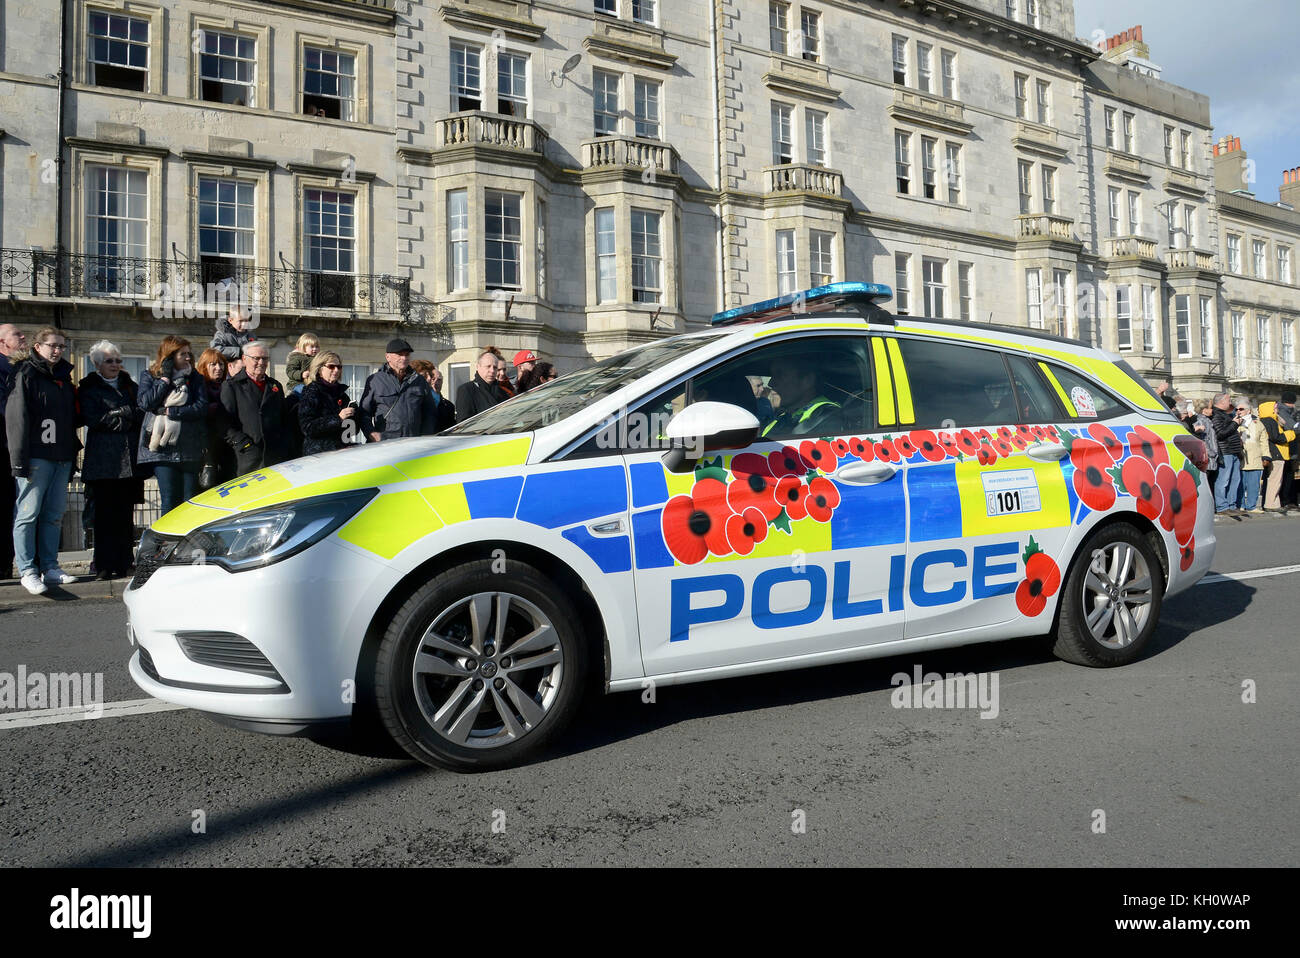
point(704, 427)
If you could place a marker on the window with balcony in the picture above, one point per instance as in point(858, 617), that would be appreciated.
point(1183, 323)
point(457, 240)
point(810, 24)
point(1207, 327)
point(815, 136)
point(1049, 189)
point(1169, 146)
point(329, 83)
point(1134, 213)
point(1061, 302)
point(119, 51)
point(1288, 340)
point(604, 91)
point(1283, 264)
point(647, 257)
point(900, 60)
point(786, 275)
point(903, 161)
point(902, 283)
point(966, 290)
point(1189, 223)
point(1024, 180)
point(782, 133)
point(502, 232)
point(1021, 85)
point(1148, 319)
point(1129, 142)
point(1238, 334)
point(778, 27)
point(1186, 150)
point(1261, 259)
point(1263, 335)
point(227, 68)
point(1124, 317)
point(643, 11)
point(952, 163)
point(1043, 101)
point(512, 84)
point(330, 239)
point(1234, 254)
point(934, 276)
point(924, 68)
point(1111, 142)
point(606, 257)
point(226, 237)
point(466, 78)
point(1034, 298)
point(928, 171)
point(821, 257)
point(948, 66)
point(117, 225)
point(646, 108)
point(1112, 201)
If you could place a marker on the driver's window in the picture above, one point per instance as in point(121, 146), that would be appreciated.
point(811, 386)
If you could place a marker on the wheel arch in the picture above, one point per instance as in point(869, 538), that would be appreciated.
point(1145, 527)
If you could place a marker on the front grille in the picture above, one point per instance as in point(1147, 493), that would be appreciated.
point(149, 561)
point(225, 650)
point(147, 666)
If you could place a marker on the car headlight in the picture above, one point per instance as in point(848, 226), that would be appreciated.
point(257, 539)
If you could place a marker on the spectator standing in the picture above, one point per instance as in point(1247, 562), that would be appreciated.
point(232, 335)
point(1203, 429)
point(254, 405)
point(218, 464)
point(41, 430)
point(433, 376)
point(524, 362)
point(396, 402)
point(480, 392)
point(110, 410)
point(295, 369)
point(13, 343)
point(1280, 441)
point(1225, 422)
point(176, 464)
point(1254, 442)
point(539, 375)
point(1286, 415)
point(324, 411)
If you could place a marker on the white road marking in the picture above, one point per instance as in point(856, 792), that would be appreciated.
point(1214, 577)
point(84, 714)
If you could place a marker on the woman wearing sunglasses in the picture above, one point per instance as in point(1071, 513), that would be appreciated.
point(327, 417)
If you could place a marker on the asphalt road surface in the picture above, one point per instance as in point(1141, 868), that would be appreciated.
point(1184, 772)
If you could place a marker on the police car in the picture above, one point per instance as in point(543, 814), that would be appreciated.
point(809, 480)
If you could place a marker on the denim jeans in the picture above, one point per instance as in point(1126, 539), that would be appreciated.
point(1225, 484)
point(42, 495)
point(1249, 497)
point(176, 483)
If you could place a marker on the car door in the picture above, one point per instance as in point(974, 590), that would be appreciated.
point(780, 549)
point(985, 486)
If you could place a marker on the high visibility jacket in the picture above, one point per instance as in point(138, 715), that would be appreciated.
point(1279, 438)
point(799, 416)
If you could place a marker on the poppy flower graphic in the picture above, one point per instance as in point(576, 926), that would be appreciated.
point(787, 462)
point(840, 447)
point(1139, 479)
point(792, 496)
point(1020, 441)
point(1042, 579)
point(1186, 554)
point(1143, 442)
point(1038, 432)
point(1091, 481)
point(905, 447)
point(864, 449)
point(986, 455)
point(1107, 438)
point(968, 443)
point(1179, 513)
point(822, 499)
point(1003, 447)
point(695, 525)
point(754, 492)
point(984, 436)
point(887, 452)
point(948, 443)
point(745, 530)
point(818, 454)
point(927, 444)
point(1024, 432)
point(1005, 433)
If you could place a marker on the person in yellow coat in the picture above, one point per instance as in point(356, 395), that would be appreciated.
point(1279, 442)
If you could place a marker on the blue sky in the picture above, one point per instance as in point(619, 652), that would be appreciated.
point(1243, 55)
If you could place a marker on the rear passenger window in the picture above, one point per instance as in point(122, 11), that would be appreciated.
point(1033, 396)
point(957, 385)
point(1082, 398)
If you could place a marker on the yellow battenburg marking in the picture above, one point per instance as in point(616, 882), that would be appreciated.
point(679, 484)
point(901, 383)
point(1065, 400)
point(187, 517)
point(975, 520)
point(884, 391)
point(772, 331)
point(243, 490)
point(391, 523)
point(381, 476)
point(1167, 432)
point(448, 501)
point(512, 452)
point(807, 535)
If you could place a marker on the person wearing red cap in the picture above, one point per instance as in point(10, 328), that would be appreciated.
point(524, 360)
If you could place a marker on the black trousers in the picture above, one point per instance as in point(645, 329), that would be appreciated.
point(114, 524)
point(8, 496)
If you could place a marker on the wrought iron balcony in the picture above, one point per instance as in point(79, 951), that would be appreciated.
point(1261, 370)
point(802, 178)
point(36, 274)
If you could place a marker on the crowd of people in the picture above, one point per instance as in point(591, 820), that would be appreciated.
point(194, 421)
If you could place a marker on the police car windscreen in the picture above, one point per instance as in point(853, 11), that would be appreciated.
point(561, 398)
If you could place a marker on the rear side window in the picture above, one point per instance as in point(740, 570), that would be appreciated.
point(1034, 399)
point(956, 385)
point(1082, 398)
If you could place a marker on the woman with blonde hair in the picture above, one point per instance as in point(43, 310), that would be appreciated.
point(173, 391)
point(327, 417)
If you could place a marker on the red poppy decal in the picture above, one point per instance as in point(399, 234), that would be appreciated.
point(1180, 503)
point(840, 447)
point(948, 443)
point(904, 446)
point(1186, 554)
point(1005, 433)
point(822, 499)
point(1139, 479)
point(818, 454)
point(1091, 481)
point(986, 455)
point(756, 492)
point(792, 495)
point(695, 525)
point(864, 449)
point(1107, 438)
point(1042, 579)
point(968, 443)
point(1143, 442)
point(787, 462)
point(1003, 447)
point(745, 530)
point(927, 444)
point(886, 452)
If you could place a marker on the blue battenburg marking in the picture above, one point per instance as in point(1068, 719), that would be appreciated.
point(230, 487)
point(649, 488)
point(1067, 471)
point(562, 498)
point(869, 515)
point(493, 498)
point(651, 552)
point(934, 502)
point(612, 553)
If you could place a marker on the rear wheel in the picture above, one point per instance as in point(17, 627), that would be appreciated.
point(480, 670)
point(1111, 602)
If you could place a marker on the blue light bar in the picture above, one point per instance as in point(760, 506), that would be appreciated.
point(819, 299)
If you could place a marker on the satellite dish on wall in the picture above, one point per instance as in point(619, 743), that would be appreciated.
point(568, 67)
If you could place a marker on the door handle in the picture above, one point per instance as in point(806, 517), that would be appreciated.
point(1048, 452)
point(865, 473)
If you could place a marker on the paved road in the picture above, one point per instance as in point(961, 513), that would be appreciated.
point(1185, 772)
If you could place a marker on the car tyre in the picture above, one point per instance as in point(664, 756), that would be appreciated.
point(479, 670)
point(1111, 602)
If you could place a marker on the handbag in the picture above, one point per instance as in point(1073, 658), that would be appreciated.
point(208, 476)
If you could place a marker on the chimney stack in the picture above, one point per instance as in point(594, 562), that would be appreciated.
point(1289, 192)
point(1230, 166)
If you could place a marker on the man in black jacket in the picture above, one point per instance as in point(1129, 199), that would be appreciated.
point(481, 392)
point(1225, 422)
point(396, 401)
point(254, 404)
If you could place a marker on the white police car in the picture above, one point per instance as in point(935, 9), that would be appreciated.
point(808, 481)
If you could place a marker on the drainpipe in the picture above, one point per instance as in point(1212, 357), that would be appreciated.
point(59, 173)
point(718, 108)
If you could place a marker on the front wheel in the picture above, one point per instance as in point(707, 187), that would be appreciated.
point(1111, 602)
point(479, 670)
